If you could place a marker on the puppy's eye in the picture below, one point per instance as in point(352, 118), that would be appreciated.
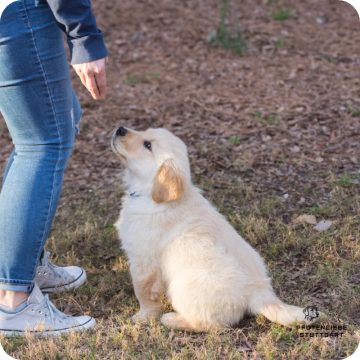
point(147, 144)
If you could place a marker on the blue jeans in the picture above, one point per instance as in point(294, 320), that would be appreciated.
point(42, 114)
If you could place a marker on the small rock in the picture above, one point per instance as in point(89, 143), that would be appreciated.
point(295, 149)
point(323, 225)
point(212, 36)
point(354, 160)
point(309, 219)
point(265, 138)
point(244, 348)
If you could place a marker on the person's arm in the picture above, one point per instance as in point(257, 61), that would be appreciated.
point(86, 43)
point(77, 21)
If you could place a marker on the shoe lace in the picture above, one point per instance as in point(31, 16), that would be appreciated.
point(53, 312)
point(58, 271)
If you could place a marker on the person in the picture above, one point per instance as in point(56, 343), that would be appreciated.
point(42, 114)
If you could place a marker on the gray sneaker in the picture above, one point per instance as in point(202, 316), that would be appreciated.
point(52, 278)
point(41, 318)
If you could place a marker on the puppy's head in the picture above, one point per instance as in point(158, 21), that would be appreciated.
point(156, 161)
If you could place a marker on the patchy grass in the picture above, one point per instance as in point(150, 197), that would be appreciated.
point(354, 112)
point(348, 180)
point(136, 79)
point(228, 36)
point(234, 140)
point(279, 43)
point(307, 268)
point(281, 15)
point(273, 119)
point(206, 96)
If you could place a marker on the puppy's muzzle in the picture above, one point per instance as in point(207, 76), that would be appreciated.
point(121, 131)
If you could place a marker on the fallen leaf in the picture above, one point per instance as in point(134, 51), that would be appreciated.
point(309, 219)
point(323, 225)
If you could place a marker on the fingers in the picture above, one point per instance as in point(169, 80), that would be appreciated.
point(93, 76)
point(82, 77)
point(92, 86)
point(101, 83)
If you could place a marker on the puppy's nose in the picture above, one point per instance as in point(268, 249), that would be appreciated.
point(121, 131)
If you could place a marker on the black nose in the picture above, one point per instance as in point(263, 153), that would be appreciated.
point(121, 131)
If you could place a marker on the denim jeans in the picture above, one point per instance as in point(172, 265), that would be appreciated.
point(42, 114)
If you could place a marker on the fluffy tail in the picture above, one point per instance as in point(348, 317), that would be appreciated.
point(276, 311)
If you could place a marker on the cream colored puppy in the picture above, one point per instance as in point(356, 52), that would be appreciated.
point(179, 245)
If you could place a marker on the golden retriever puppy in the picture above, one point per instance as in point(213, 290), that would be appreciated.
point(179, 245)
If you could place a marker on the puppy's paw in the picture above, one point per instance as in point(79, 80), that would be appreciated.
point(140, 317)
point(168, 319)
point(174, 320)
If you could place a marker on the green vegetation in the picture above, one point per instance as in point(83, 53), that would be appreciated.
point(353, 111)
point(136, 79)
point(348, 180)
point(281, 15)
point(84, 234)
point(229, 37)
point(279, 43)
point(234, 140)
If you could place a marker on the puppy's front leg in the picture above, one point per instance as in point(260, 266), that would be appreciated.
point(149, 291)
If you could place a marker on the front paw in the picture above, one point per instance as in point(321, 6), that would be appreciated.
point(141, 316)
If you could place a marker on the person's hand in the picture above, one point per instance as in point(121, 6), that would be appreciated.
point(93, 76)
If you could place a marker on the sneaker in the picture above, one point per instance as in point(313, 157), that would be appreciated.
point(52, 278)
point(41, 318)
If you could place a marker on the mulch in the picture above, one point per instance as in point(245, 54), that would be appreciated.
point(283, 117)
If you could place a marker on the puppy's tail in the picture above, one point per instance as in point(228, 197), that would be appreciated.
point(277, 311)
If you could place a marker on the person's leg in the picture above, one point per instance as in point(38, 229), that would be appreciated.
point(41, 112)
point(8, 166)
point(12, 299)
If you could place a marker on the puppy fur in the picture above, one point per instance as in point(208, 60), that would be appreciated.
point(179, 245)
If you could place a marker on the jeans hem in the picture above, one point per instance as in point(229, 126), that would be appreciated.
point(17, 287)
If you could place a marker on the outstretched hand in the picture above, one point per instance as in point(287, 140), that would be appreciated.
point(93, 76)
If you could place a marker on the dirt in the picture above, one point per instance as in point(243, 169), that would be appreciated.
point(282, 116)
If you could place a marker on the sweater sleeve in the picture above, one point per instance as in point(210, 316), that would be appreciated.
point(77, 21)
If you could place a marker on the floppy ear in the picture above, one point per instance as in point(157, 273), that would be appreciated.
point(169, 184)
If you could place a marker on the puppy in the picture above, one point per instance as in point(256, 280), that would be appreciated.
point(179, 245)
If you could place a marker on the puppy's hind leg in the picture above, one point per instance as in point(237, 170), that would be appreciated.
point(178, 321)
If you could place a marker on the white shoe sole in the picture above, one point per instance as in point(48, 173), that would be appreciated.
point(75, 284)
point(88, 325)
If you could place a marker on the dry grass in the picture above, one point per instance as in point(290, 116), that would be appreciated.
point(272, 134)
point(307, 268)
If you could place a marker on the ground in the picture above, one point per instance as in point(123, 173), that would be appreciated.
point(273, 132)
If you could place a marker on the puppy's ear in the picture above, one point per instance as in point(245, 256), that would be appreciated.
point(169, 184)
